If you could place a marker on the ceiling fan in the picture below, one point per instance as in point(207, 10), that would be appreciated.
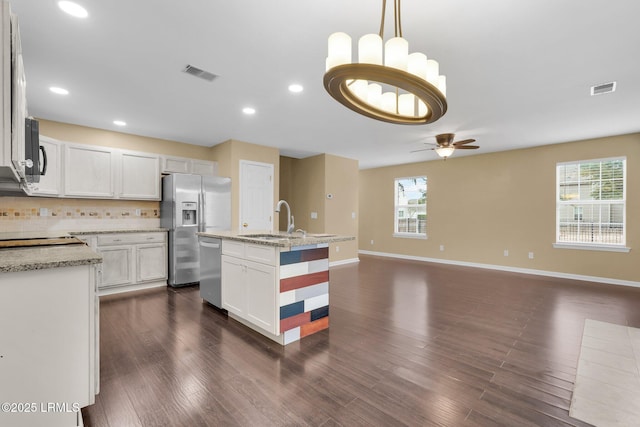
point(446, 146)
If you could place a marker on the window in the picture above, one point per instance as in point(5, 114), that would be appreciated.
point(590, 203)
point(410, 219)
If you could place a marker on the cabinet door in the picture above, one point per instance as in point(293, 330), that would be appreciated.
point(234, 292)
point(19, 106)
point(47, 342)
point(88, 171)
point(49, 184)
point(151, 262)
point(261, 296)
point(203, 167)
point(176, 165)
point(139, 176)
point(116, 266)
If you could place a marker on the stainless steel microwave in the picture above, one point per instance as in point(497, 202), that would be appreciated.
point(35, 166)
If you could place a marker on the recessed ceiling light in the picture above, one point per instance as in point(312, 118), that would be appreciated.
point(119, 123)
point(249, 110)
point(73, 9)
point(59, 90)
point(295, 88)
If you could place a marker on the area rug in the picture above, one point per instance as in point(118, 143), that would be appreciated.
point(606, 391)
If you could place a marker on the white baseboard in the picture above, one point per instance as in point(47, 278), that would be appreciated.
point(344, 262)
point(131, 288)
point(607, 280)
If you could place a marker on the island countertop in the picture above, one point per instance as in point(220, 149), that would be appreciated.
point(278, 239)
point(38, 258)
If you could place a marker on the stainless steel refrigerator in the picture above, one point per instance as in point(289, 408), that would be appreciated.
point(192, 203)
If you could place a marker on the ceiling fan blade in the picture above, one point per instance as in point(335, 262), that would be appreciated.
point(468, 147)
point(465, 141)
point(423, 149)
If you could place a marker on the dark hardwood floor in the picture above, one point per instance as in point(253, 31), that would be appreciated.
point(409, 343)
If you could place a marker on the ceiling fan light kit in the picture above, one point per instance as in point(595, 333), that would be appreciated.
point(387, 84)
point(446, 146)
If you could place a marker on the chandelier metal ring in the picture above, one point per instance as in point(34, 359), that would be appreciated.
point(337, 79)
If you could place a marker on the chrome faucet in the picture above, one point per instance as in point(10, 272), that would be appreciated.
point(290, 224)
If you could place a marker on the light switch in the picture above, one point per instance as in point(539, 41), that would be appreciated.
point(353, 215)
point(314, 215)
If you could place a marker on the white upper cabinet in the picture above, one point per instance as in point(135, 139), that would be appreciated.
point(203, 167)
point(13, 105)
point(139, 176)
point(172, 164)
point(176, 165)
point(49, 184)
point(89, 171)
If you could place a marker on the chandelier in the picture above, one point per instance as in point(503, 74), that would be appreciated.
point(392, 86)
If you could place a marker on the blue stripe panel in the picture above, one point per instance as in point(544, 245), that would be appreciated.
point(291, 309)
point(319, 313)
point(291, 257)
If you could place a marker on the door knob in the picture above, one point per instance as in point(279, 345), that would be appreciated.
point(245, 225)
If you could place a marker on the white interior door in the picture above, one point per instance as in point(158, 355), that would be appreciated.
point(256, 196)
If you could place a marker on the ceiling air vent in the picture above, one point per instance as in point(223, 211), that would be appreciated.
point(197, 72)
point(603, 88)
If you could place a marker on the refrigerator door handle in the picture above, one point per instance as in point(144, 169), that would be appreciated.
point(210, 245)
point(200, 212)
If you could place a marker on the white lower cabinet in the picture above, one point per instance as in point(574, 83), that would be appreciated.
point(49, 346)
point(249, 288)
point(117, 268)
point(151, 262)
point(130, 261)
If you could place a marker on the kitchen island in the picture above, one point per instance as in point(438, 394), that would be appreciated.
point(49, 346)
point(276, 283)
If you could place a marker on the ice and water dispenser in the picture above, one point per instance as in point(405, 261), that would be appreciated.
point(189, 210)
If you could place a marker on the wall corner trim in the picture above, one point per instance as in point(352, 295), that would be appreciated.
point(596, 279)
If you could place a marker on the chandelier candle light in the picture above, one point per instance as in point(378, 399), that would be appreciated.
point(394, 87)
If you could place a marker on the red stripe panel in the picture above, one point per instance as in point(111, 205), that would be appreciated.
point(313, 327)
point(294, 321)
point(313, 254)
point(297, 282)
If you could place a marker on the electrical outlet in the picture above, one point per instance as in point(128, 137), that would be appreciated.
point(441, 248)
point(530, 255)
point(314, 215)
point(372, 241)
point(506, 252)
point(138, 212)
point(337, 248)
point(44, 212)
point(353, 215)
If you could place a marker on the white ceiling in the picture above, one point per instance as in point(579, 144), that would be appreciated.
point(518, 72)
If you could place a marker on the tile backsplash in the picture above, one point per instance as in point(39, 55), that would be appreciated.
point(41, 214)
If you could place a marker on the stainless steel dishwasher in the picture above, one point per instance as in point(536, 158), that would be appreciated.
point(210, 270)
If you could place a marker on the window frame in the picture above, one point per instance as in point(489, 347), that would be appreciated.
point(565, 244)
point(396, 209)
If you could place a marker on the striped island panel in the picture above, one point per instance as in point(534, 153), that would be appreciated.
point(304, 291)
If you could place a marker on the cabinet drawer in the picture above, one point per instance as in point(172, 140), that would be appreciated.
point(260, 253)
point(233, 248)
point(130, 238)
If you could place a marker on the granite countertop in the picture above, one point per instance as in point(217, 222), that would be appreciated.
point(278, 239)
point(125, 230)
point(38, 258)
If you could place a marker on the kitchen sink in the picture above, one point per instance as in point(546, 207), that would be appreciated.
point(270, 236)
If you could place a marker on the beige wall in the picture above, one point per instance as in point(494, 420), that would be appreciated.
point(306, 183)
point(86, 135)
point(478, 206)
point(229, 153)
